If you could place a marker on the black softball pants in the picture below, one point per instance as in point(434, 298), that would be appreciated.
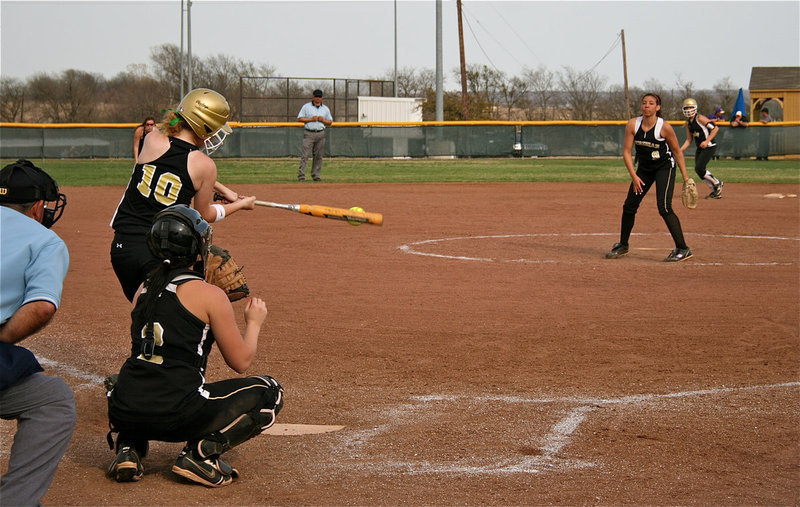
point(664, 179)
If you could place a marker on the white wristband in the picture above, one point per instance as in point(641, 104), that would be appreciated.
point(220, 212)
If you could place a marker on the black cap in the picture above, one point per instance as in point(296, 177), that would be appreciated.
point(318, 93)
point(23, 182)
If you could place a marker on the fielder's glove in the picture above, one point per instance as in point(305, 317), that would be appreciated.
point(222, 271)
point(689, 194)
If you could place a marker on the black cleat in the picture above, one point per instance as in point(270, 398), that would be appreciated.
point(617, 251)
point(126, 467)
point(679, 254)
point(717, 192)
point(208, 472)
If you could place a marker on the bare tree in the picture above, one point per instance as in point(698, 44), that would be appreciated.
point(514, 96)
point(541, 83)
point(134, 94)
point(451, 106)
point(411, 82)
point(582, 91)
point(80, 93)
point(166, 65)
point(612, 105)
point(221, 74)
point(72, 96)
point(483, 86)
point(725, 94)
point(45, 91)
point(12, 99)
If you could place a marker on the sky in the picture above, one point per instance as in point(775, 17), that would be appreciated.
point(666, 41)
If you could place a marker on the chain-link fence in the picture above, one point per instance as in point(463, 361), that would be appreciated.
point(279, 99)
point(451, 139)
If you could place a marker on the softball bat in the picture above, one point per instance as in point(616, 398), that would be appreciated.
point(315, 210)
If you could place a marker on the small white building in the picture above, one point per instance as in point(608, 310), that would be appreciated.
point(389, 109)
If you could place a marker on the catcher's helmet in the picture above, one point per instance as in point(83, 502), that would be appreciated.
point(689, 107)
point(207, 113)
point(22, 183)
point(178, 234)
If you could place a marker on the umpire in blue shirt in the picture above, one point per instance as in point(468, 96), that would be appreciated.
point(316, 117)
point(33, 263)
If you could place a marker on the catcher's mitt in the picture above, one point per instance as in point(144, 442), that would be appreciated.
point(689, 194)
point(222, 271)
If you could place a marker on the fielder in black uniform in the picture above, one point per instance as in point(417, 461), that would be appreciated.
point(161, 393)
point(657, 151)
point(172, 169)
point(703, 131)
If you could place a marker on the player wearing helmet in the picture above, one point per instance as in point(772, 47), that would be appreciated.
point(160, 392)
point(703, 131)
point(172, 169)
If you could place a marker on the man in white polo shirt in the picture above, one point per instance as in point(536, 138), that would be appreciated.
point(316, 116)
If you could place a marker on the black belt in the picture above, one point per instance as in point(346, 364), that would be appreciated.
point(147, 349)
point(320, 130)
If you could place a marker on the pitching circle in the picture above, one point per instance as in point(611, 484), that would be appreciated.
point(418, 248)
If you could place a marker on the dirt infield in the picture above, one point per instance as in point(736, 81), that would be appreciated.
point(478, 349)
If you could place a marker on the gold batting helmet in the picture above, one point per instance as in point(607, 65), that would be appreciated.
point(689, 108)
point(207, 113)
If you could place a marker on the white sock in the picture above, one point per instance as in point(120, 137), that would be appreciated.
point(710, 180)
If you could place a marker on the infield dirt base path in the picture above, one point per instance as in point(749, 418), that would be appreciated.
point(477, 349)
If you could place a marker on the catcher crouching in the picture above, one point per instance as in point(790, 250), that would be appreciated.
point(160, 392)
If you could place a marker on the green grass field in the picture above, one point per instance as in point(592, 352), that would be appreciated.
point(337, 170)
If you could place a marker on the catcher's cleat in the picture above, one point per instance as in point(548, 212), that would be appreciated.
point(617, 251)
point(717, 192)
point(126, 467)
point(208, 472)
point(227, 469)
point(679, 254)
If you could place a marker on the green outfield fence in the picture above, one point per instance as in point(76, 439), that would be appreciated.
point(391, 140)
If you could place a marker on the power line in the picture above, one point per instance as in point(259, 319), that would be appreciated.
point(517, 34)
point(610, 49)
point(613, 46)
point(493, 38)
point(479, 45)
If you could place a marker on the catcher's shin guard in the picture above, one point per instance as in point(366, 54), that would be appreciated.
point(244, 427)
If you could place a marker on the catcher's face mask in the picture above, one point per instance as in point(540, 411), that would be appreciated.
point(22, 182)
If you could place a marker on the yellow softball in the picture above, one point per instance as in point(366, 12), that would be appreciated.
point(360, 210)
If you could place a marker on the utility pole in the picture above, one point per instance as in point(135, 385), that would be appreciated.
point(625, 71)
point(189, 39)
point(182, 63)
point(395, 48)
point(464, 107)
point(439, 71)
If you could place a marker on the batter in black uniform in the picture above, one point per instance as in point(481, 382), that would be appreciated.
point(172, 169)
point(657, 151)
point(703, 131)
point(161, 393)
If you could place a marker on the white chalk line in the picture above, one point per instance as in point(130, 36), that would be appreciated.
point(409, 248)
point(549, 457)
point(551, 446)
point(91, 379)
